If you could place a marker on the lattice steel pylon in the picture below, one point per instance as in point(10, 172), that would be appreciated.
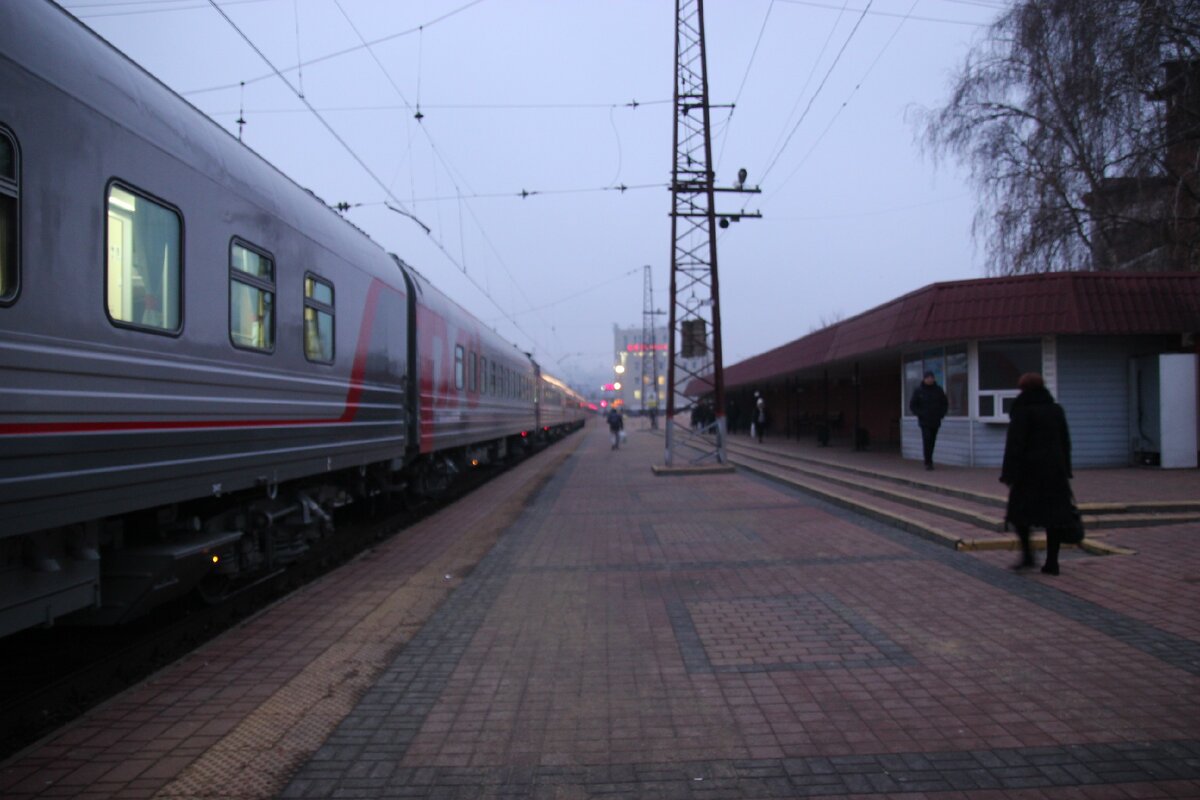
point(649, 391)
point(694, 369)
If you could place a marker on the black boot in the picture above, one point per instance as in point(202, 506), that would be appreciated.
point(1026, 561)
point(1052, 545)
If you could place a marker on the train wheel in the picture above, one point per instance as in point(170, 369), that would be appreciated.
point(214, 589)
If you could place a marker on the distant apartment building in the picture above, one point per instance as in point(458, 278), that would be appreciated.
point(639, 368)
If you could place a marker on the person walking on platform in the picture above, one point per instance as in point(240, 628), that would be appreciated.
point(929, 405)
point(760, 416)
point(1037, 470)
point(615, 425)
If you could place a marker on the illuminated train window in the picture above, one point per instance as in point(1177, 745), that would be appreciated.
point(143, 243)
point(318, 320)
point(459, 365)
point(251, 298)
point(9, 219)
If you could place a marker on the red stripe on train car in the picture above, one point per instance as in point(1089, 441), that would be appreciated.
point(349, 412)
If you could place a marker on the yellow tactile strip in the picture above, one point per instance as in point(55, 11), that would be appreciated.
point(257, 757)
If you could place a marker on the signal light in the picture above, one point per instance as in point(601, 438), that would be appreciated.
point(216, 558)
point(524, 434)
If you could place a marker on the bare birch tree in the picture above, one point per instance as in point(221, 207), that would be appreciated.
point(1054, 112)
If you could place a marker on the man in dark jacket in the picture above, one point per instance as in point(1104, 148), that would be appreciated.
point(1037, 469)
point(615, 425)
point(929, 405)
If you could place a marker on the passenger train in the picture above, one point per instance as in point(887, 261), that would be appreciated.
point(199, 360)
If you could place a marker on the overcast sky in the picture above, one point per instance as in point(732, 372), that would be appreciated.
point(537, 96)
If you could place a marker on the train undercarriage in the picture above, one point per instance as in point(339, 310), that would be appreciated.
point(115, 570)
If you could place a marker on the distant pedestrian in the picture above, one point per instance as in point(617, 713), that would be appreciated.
point(1037, 470)
point(615, 425)
point(929, 405)
point(760, 416)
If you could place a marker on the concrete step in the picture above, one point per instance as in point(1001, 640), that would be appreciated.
point(959, 529)
point(977, 508)
point(968, 507)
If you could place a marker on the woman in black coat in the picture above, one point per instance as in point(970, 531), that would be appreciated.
point(1037, 469)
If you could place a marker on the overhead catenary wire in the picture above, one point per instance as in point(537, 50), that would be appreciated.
point(338, 53)
point(450, 172)
point(523, 194)
point(194, 6)
point(634, 104)
point(299, 55)
point(814, 4)
point(776, 146)
point(836, 114)
point(368, 170)
point(749, 65)
point(817, 91)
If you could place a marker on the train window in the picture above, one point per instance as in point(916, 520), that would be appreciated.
point(483, 375)
point(318, 320)
point(492, 379)
point(251, 298)
point(459, 356)
point(9, 222)
point(471, 372)
point(143, 241)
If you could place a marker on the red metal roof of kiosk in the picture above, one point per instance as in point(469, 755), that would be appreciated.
point(1063, 303)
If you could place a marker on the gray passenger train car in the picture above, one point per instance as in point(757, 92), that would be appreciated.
point(199, 361)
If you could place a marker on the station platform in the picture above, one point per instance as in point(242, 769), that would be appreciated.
point(580, 627)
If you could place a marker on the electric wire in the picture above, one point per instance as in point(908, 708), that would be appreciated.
point(368, 170)
point(198, 4)
point(338, 53)
point(817, 92)
point(845, 102)
point(299, 55)
point(729, 120)
point(458, 191)
point(522, 194)
point(808, 80)
point(457, 107)
point(112, 3)
point(813, 4)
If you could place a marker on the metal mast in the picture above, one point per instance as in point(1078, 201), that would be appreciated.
point(649, 349)
point(694, 369)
